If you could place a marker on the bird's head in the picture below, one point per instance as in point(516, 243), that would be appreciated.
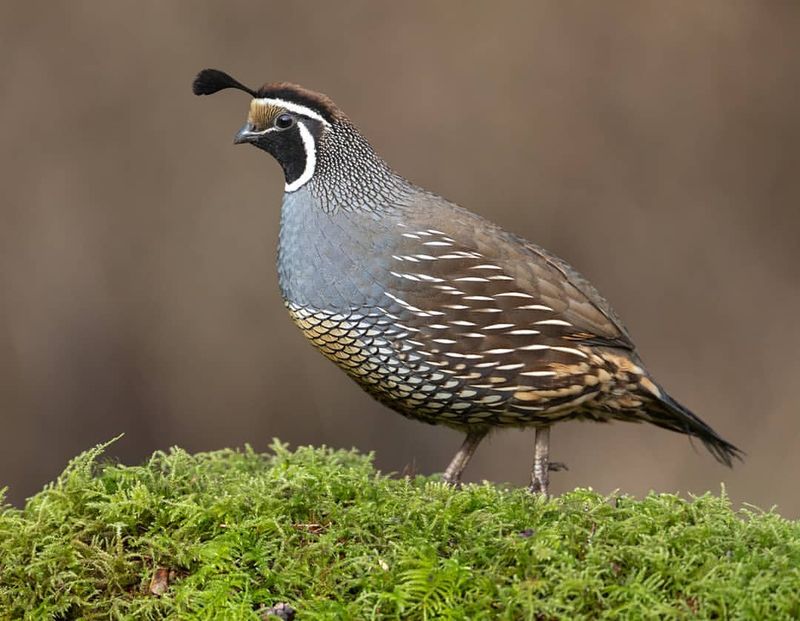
point(285, 120)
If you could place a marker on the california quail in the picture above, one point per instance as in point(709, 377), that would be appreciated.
point(436, 312)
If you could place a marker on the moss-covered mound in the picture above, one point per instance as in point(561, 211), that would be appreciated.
point(229, 534)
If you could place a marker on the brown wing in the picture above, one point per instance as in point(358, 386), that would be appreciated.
point(477, 273)
point(513, 326)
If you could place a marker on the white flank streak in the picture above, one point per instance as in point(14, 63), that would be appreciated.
point(500, 277)
point(540, 307)
point(479, 298)
point(488, 310)
point(414, 309)
point(297, 108)
point(499, 326)
point(426, 257)
point(486, 266)
point(396, 299)
point(538, 373)
point(470, 279)
point(429, 278)
point(474, 335)
point(394, 256)
point(552, 322)
point(408, 276)
point(445, 341)
point(438, 326)
point(456, 306)
point(460, 322)
point(523, 332)
point(435, 232)
point(511, 367)
point(411, 235)
point(311, 157)
point(534, 347)
point(498, 351)
point(570, 350)
point(436, 243)
point(514, 294)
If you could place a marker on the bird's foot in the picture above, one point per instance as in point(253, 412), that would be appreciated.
point(454, 482)
point(538, 487)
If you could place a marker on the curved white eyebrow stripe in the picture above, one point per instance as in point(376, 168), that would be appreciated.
point(297, 108)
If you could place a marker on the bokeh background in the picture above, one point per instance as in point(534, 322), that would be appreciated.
point(655, 145)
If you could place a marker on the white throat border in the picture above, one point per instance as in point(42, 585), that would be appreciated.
point(310, 148)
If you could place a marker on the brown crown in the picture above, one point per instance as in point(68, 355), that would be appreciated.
point(297, 94)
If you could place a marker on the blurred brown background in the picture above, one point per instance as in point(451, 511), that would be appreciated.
point(655, 145)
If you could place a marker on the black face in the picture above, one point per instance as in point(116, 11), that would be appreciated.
point(291, 137)
point(284, 141)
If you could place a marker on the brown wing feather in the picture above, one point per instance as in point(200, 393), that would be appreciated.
point(523, 283)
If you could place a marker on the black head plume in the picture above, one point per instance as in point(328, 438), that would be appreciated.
point(209, 81)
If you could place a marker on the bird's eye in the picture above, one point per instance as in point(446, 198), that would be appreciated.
point(284, 121)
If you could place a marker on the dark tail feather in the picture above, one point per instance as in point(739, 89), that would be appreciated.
point(669, 414)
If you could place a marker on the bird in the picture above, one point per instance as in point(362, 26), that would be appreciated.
point(435, 311)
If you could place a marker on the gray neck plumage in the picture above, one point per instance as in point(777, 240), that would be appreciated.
point(346, 214)
point(350, 176)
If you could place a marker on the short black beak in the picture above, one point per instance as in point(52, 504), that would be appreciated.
point(246, 134)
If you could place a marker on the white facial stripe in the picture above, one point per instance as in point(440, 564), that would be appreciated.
point(262, 132)
point(297, 108)
point(311, 159)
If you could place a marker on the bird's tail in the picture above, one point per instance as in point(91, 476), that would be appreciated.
point(667, 413)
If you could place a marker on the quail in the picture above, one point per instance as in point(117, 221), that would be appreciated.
point(436, 312)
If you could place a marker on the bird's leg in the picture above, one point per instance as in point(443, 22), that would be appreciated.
point(540, 473)
point(452, 476)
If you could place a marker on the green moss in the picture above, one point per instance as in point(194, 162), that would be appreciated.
point(236, 532)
